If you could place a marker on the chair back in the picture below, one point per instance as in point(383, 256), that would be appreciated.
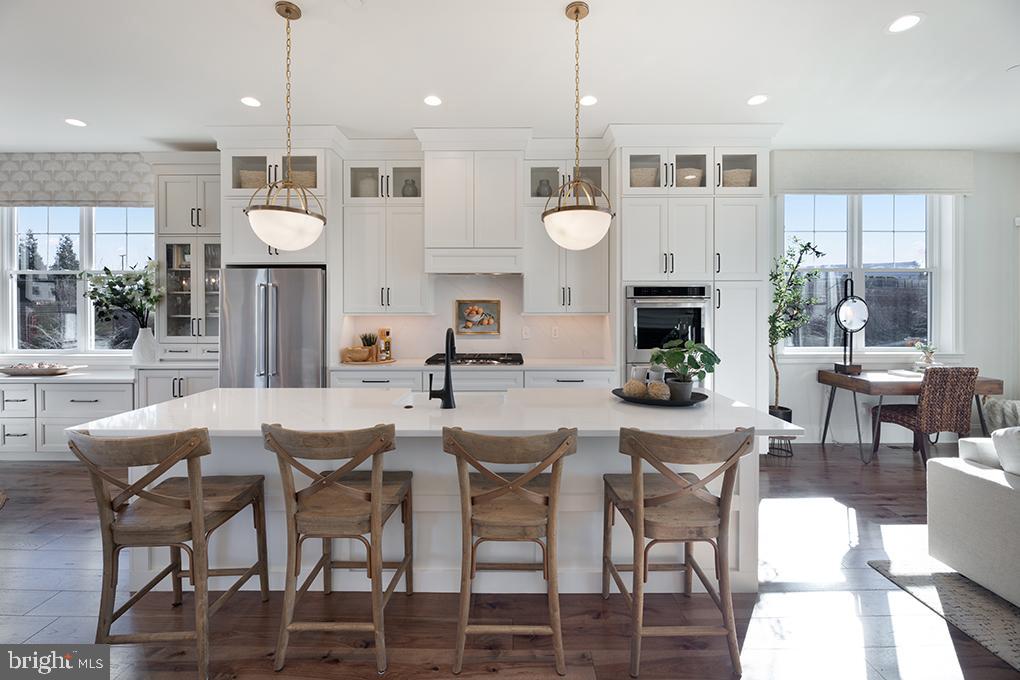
point(944, 402)
point(354, 446)
point(544, 450)
point(659, 449)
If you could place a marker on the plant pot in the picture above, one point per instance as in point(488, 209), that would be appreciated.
point(143, 351)
point(680, 390)
point(781, 412)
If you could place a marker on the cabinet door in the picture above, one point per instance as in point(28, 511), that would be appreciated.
point(690, 238)
point(207, 216)
point(198, 380)
point(449, 212)
point(179, 309)
point(408, 289)
point(544, 289)
point(364, 259)
point(247, 170)
point(644, 171)
point(363, 182)
point(541, 180)
point(178, 201)
point(496, 199)
point(691, 171)
point(738, 341)
point(741, 238)
point(587, 279)
point(645, 241)
point(404, 182)
point(157, 386)
point(595, 173)
point(207, 291)
point(242, 246)
point(308, 168)
point(741, 171)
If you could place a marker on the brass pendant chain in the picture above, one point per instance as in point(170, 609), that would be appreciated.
point(290, 174)
point(577, 95)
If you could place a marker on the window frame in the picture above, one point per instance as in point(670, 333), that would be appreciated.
point(85, 310)
point(934, 262)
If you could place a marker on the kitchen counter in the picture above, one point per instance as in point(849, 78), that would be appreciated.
point(528, 365)
point(234, 418)
point(177, 366)
point(79, 376)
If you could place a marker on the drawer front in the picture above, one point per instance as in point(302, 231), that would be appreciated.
point(17, 434)
point(601, 379)
point(170, 352)
point(472, 380)
point(403, 379)
point(17, 401)
point(49, 434)
point(87, 401)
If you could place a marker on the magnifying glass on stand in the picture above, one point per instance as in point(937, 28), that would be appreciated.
point(851, 316)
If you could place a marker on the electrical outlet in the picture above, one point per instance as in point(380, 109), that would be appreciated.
point(525, 333)
point(555, 332)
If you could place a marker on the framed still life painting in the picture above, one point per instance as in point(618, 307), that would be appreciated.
point(476, 317)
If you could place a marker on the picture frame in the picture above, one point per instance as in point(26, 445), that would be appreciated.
point(476, 317)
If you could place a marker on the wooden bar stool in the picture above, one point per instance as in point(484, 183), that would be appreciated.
point(341, 503)
point(671, 507)
point(495, 508)
point(173, 513)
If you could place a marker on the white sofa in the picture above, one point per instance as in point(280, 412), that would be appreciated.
point(974, 517)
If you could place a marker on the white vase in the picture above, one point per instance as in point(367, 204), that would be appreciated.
point(144, 349)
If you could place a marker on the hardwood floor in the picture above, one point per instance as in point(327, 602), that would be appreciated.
point(821, 613)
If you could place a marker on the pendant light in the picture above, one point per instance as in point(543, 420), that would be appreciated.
point(581, 216)
point(282, 219)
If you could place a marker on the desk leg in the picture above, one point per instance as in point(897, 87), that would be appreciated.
point(981, 415)
point(860, 439)
point(828, 413)
point(876, 427)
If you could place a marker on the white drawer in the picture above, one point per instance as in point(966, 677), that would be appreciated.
point(87, 401)
point(377, 378)
point(17, 434)
point(171, 352)
point(49, 434)
point(602, 379)
point(17, 400)
point(209, 351)
point(474, 380)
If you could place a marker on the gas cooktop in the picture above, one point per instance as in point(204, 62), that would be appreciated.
point(475, 359)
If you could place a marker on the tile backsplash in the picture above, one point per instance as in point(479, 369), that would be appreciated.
point(550, 337)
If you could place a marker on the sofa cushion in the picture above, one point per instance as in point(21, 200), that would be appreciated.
point(979, 450)
point(1007, 447)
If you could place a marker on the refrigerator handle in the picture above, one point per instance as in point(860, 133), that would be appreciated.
point(274, 329)
point(260, 338)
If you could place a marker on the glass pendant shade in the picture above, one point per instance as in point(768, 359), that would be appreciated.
point(577, 227)
point(285, 228)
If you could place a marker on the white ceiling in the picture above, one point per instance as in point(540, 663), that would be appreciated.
point(148, 75)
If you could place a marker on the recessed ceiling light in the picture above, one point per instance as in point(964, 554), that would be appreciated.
point(251, 101)
point(75, 122)
point(905, 23)
point(757, 100)
point(433, 100)
point(589, 100)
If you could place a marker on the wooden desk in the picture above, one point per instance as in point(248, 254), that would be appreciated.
point(882, 384)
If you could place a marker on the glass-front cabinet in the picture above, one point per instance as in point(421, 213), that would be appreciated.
point(544, 178)
point(679, 171)
point(383, 182)
point(248, 170)
point(739, 171)
point(190, 274)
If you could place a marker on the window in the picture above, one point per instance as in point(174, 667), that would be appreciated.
point(883, 243)
point(52, 246)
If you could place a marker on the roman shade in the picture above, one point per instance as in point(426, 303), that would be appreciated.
point(75, 179)
point(872, 171)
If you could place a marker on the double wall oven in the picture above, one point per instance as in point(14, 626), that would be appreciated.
point(658, 314)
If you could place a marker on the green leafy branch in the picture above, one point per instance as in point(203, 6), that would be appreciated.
point(135, 292)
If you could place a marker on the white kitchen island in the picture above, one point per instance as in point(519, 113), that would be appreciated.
point(234, 418)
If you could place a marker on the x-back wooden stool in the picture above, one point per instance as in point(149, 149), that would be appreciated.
point(672, 507)
point(341, 503)
point(496, 508)
point(173, 513)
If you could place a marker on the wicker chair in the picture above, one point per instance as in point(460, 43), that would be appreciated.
point(942, 406)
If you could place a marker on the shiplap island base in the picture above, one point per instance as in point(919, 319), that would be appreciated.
point(234, 418)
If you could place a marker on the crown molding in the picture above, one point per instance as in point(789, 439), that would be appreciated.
point(473, 139)
point(749, 134)
point(273, 136)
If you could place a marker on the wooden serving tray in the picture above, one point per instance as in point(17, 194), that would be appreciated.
point(25, 371)
point(369, 363)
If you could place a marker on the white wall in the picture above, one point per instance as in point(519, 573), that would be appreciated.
point(990, 306)
point(579, 337)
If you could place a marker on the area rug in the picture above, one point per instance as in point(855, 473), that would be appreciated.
point(984, 616)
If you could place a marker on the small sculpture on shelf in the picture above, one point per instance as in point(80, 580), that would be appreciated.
point(927, 359)
point(544, 189)
point(410, 189)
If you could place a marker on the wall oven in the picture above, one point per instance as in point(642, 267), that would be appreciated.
point(658, 314)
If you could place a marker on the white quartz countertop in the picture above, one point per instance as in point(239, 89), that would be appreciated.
point(237, 412)
point(84, 375)
point(418, 363)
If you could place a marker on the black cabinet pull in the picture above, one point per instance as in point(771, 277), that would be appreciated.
point(672, 262)
point(269, 174)
point(562, 380)
point(23, 434)
point(563, 296)
point(665, 175)
point(382, 297)
point(665, 263)
point(388, 297)
point(718, 298)
point(570, 296)
point(192, 328)
point(672, 173)
point(387, 186)
point(381, 194)
point(718, 263)
point(84, 401)
point(372, 382)
point(718, 174)
point(177, 351)
point(198, 217)
point(192, 217)
point(198, 323)
point(14, 401)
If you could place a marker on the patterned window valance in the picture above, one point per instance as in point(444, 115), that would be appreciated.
point(82, 179)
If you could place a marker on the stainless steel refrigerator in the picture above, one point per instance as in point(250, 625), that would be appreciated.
point(273, 327)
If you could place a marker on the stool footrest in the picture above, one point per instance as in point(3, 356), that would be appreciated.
point(497, 629)
point(332, 626)
point(682, 631)
point(508, 566)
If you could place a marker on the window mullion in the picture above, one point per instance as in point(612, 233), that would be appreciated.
point(84, 306)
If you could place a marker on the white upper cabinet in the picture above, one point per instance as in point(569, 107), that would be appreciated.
point(689, 172)
point(242, 246)
point(690, 243)
point(246, 170)
point(384, 261)
point(188, 204)
point(645, 242)
point(741, 238)
point(692, 171)
point(473, 199)
point(560, 281)
point(383, 182)
point(543, 178)
point(741, 171)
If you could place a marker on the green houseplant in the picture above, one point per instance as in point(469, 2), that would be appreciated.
point(790, 305)
point(135, 293)
point(687, 361)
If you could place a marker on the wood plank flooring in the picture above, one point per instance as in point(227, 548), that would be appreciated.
point(821, 613)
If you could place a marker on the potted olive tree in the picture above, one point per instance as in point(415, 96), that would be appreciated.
point(687, 361)
point(790, 305)
point(135, 293)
